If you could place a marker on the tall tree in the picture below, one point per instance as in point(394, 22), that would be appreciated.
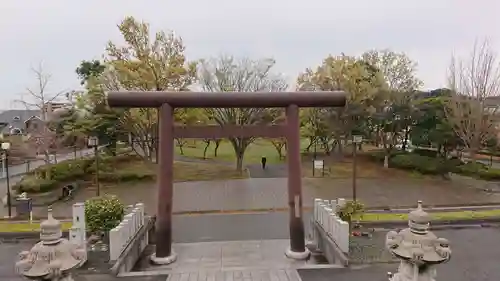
point(148, 62)
point(100, 120)
point(228, 74)
point(346, 73)
point(431, 127)
point(394, 108)
point(472, 107)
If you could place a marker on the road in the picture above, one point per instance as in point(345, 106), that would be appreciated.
point(473, 256)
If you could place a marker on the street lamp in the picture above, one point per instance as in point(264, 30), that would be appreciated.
point(5, 151)
point(94, 142)
point(355, 141)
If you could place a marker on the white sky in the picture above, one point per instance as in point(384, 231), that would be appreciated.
point(298, 34)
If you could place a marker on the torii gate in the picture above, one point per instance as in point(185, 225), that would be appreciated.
point(168, 101)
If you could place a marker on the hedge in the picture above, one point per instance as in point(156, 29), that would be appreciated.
point(69, 171)
point(436, 165)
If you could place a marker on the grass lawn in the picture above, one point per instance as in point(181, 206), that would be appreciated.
point(225, 153)
point(184, 171)
point(367, 217)
point(26, 226)
point(438, 216)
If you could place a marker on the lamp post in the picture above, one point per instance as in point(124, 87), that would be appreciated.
point(5, 151)
point(355, 141)
point(94, 142)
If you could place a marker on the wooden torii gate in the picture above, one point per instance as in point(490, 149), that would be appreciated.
point(168, 101)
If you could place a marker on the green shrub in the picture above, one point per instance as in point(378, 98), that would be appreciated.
point(490, 174)
point(103, 213)
point(421, 164)
point(471, 168)
point(31, 184)
point(479, 170)
point(351, 209)
point(425, 152)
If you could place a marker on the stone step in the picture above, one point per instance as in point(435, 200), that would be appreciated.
point(285, 274)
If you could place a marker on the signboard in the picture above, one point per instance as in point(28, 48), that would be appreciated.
point(318, 164)
point(357, 139)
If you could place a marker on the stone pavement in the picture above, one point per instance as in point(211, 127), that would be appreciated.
point(238, 275)
point(248, 255)
point(262, 260)
point(271, 193)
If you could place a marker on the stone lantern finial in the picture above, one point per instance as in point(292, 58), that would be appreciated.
point(419, 220)
point(418, 248)
point(53, 257)
point(50, 230)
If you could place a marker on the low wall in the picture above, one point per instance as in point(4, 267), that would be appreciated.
point(328, 247)
point(132, 252)
point(330, 233)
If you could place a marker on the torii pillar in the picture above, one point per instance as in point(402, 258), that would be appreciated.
point(168, 101)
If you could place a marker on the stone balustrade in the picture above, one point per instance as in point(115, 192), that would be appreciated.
point(120, 236)
point(326, 217)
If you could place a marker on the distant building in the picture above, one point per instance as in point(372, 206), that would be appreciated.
point(26, 121)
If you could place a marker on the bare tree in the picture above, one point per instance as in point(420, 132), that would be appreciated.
point(227, 74)
point(44, 140)
point(472, 107)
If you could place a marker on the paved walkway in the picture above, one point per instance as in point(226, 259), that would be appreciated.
point(251, 255)
point(271, 193)
point(271, 171)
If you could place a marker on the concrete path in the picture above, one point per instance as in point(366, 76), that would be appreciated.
point(227, 227)
point(271, 171)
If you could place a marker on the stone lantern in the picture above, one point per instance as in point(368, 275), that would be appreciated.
point(53, 257)
point(418, 249)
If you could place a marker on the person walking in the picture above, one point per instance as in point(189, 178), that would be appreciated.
point(263, 161)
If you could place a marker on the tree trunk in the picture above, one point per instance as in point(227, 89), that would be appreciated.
point(386, 161)
point(405, 140)
point(217, 144)
point(180, 144)
point(239, 159)
point(207, 144)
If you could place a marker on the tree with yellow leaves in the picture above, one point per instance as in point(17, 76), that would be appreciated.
point(347, 73)
point(148, 62)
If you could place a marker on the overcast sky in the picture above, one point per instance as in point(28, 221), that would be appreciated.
point(298, 34)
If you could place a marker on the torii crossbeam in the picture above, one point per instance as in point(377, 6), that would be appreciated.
point(168, 101)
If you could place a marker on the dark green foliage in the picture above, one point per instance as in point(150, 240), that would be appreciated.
point(426, 152)
point(88, 69)
point(421, 164)
point(431, 127)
